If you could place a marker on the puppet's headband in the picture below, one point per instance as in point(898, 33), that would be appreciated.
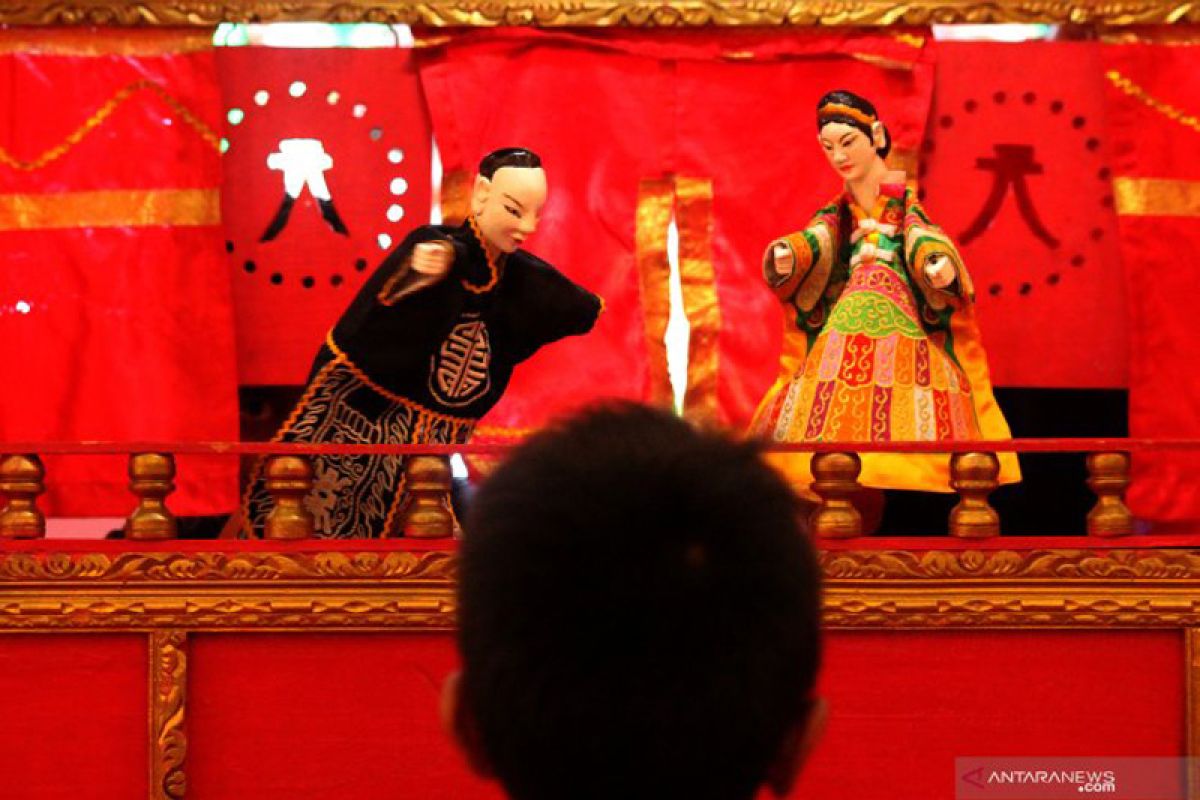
point(833, 110)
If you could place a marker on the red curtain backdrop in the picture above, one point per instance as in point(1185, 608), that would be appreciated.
point(366, 108)
point(1017, 167)
point(598, 118)
point(1154, 93)
point(115, 312)
point(699, 123)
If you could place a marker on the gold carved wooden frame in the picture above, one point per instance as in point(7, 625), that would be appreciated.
point(640, 13)
point(170, 594)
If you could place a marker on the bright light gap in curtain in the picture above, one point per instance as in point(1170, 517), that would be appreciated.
point(678, 330)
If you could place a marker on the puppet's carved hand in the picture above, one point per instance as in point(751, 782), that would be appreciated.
point(939, 271)
point(432, 258)
point(784, 259)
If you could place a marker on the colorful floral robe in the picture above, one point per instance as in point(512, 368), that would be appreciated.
point(873, 352)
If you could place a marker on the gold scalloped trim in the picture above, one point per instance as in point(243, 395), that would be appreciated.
point(1169, 111)
point(166, 567)
point(406, 591)
point(101, 115)
point(637, 13)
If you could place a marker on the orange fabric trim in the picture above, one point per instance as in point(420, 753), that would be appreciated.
point(493, 262)
point(341, 357)
point(906, 161)
point(837, 109)
point(112, 42)
point(389, 524)
point(255, 470)
point(110, 209)
point(653, 217)
point(101, 115)
point(694, 217)
point(456, 196)
point(1189, 121)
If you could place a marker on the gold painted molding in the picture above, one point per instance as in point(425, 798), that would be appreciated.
point(411, 591)
point(640, 13)
point(232, 566)
point(1011, 567)
point(168, 712)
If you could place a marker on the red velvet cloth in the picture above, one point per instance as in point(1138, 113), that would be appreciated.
point(366, 108)
point(323, 715)
point(735, 108)
point(308, 715)
point(114, 331)
point(1157, 250)
point(1047, 276)
point(75, 718)
point(904, 704)
point(598, 119)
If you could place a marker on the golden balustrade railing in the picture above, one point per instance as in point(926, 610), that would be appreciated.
point(974, 469)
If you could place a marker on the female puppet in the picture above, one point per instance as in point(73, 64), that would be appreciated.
point(881, 343)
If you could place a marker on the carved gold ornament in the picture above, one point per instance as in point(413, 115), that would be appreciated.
point(637, 13)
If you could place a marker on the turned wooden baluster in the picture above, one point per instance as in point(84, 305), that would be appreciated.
point(22, 479)
point(1108, 477)
point(974, 476)
point(835, 481)
point(289, 480)
point(427, 481)
point(151, 479)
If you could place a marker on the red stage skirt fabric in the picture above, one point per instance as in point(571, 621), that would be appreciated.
point(366, 108)
point(115, 313)
point(292, 716)
point(720, 126)
point(1154, 94)
point(75, 719)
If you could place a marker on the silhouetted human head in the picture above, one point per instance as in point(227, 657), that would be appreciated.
point(639, 617)
point(508, 196)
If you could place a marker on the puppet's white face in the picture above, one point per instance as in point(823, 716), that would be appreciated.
point(508, 207)
point(851, 152)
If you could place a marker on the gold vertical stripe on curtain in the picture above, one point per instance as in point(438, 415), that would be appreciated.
point(694, 217)
point(456, 196)
point(110, 209)
point(1156, 197)
point(653, 216)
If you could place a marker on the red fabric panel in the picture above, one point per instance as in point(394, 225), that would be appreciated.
point(1060, 295)
point(290, 290)
point(322, 715)
point(751, 126)
point(1165, 328)
point(76, 717)
point(115, 333)
point(614, 135)
point(904, 705)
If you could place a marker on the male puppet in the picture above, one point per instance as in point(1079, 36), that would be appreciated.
point(427, 348)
